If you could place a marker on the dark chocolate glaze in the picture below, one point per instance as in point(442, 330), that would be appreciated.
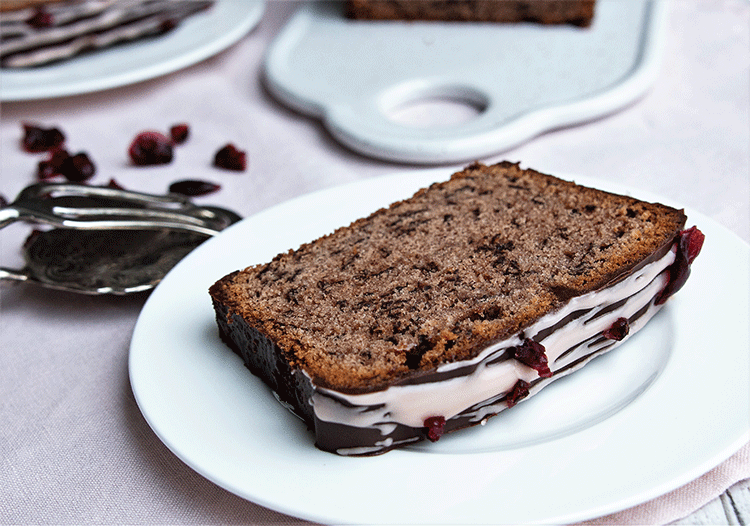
point(264, 359)
point(541, 335)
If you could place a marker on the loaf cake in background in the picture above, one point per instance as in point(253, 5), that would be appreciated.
point(40, 32)
point(446, 308)
point(576, 12)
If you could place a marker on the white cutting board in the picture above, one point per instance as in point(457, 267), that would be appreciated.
point(519, 80)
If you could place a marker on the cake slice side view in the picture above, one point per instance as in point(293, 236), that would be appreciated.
point(37, 33)
point(443, 309)
point(576, 12)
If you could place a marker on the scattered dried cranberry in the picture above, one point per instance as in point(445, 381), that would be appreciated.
point(114, 184)
point(168, 25)
point(75, 168)
point(230, 158)
point(31, 238)
point(435, 427)
point(520, 390)
point(37, 139)
point(41, 19)
point(149, 148)
point(179, 133)
point(52, 165)
point(689, 246)
point(46, 171)
point(618, 330)
point(192, 187)
point(534, 355)
point(78, 168)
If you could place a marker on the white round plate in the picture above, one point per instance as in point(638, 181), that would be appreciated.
point(195, 39)
point(656, 413)
point(377, 85)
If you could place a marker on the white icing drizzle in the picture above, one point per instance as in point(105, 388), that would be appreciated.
point(411, 404)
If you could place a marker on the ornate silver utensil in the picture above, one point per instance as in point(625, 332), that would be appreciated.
point(106, 240)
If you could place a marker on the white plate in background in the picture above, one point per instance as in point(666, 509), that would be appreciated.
point(196, 38)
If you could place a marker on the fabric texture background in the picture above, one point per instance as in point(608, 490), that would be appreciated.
point(74, 448)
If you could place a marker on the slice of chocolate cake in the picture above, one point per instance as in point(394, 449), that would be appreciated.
point(575, 12)
point(39, 32)
point(444, 309)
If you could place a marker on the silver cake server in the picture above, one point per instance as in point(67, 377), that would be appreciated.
point(106, 240)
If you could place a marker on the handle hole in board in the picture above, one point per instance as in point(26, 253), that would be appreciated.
point(416, 105)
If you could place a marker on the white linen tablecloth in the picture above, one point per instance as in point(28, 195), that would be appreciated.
point(74, 448)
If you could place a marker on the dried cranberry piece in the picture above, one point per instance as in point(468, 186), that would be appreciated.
point(114, 184)
point(618, 330)
point(149, 148)
point(520, 390)
point(37, 139)
point(75, 168)
point(192, 187)
point(78, 168)
point(689, 245)
point(230, 158)
point(41, 19)
point(32, 237)
point(534, 355)
point(693, 239)
point(179, 133)
point(46, 171)
point(168, 24)
point(52, 165)
point(435, 427)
